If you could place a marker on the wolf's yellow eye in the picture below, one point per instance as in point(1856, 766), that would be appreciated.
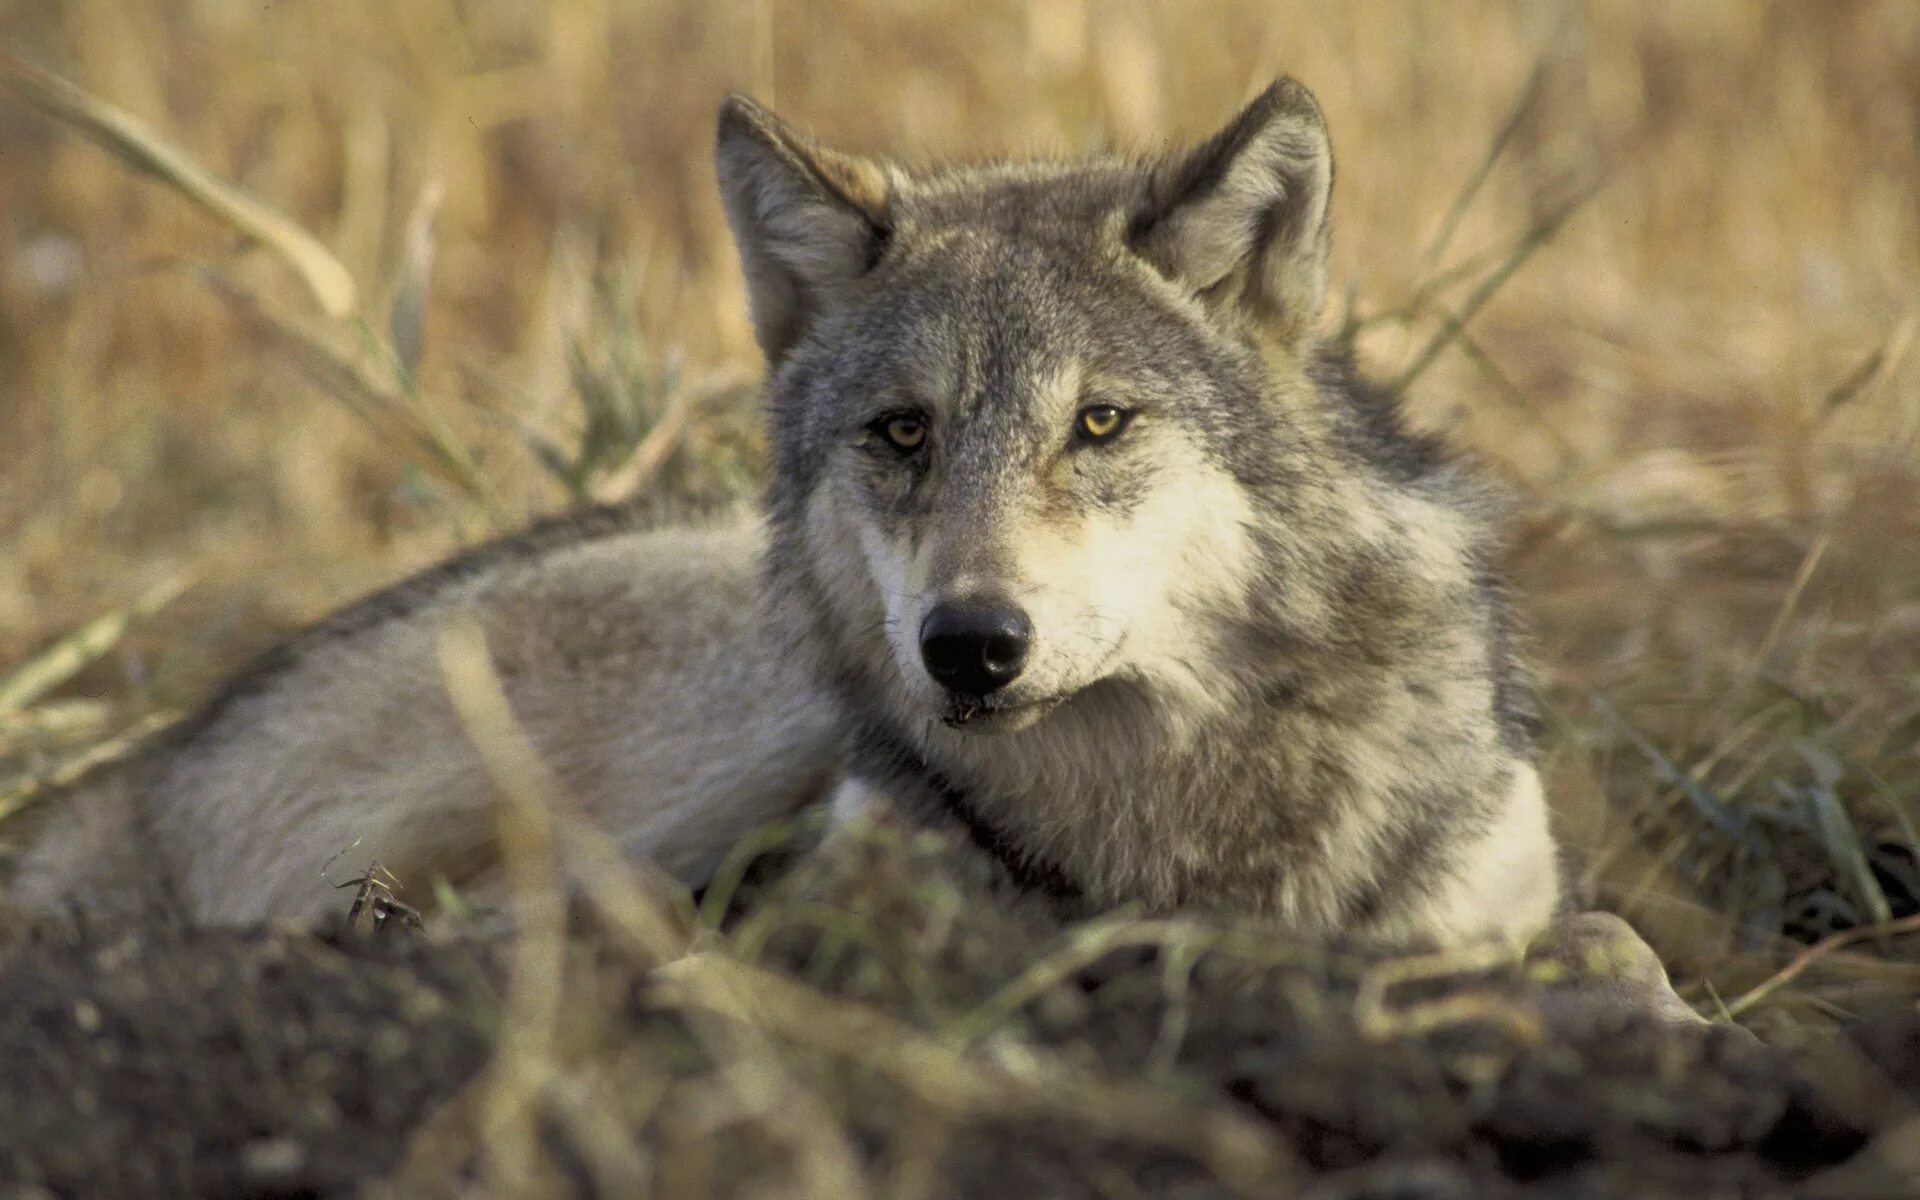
point(1098, 422)
point(904, 431)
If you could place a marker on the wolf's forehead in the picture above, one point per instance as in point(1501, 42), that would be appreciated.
point(1065, 200)
point(986, 319)
point(1004, 286)
point(977, 319)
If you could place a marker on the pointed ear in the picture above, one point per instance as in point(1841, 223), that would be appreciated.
point(1242, 220)
point(807, 220)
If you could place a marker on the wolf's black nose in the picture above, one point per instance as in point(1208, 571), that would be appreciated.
point(975, 648)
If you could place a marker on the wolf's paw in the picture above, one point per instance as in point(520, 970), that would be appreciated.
point(1593, 966)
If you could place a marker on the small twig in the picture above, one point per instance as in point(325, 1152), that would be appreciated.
point(1879, 365)
point(1725, 819)
point(1091, 943)
point(1176, 984)
point(725, 882)
point(1777, 629)
point(1377, 1022)
point(1816, 952)
point(1504, 384)
point(1536, 237)
point(375, 898)
point(665, 436)
point(1423, 294)
point(1086, 946)
point(335, 857)
point(1529, 92)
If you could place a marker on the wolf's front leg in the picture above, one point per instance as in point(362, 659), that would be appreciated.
point(1596, 967)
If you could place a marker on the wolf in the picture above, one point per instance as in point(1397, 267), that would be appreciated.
point(1108, 559)
point(1081, 540)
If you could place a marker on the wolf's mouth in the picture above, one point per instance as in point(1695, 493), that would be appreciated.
point(990, 714)
point(996, 712)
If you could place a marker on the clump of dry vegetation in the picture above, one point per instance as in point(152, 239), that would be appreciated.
point(359, 283)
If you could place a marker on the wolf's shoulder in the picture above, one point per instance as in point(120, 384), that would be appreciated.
point(1370, 425)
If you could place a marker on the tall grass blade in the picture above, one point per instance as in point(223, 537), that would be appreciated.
point(1450, 224)
point(131, 141)
point(407, 326)
point(388, 409)
point(1838, 836)
point(73, 653)
point(17, 794)
point(1456, 323)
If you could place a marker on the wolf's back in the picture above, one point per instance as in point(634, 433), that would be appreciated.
point(634, 660)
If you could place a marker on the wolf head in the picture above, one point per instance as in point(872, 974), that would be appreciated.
point(1019, 410)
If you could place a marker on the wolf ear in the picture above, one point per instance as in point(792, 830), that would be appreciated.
point(807, 220)
point(1242, 220)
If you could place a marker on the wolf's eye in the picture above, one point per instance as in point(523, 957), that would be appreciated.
point(1100, 422)
point(905, 432)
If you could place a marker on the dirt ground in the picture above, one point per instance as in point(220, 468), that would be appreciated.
point(257, 1063)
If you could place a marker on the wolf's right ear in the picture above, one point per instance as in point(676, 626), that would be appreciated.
point(1242, 220)
point(807, 220)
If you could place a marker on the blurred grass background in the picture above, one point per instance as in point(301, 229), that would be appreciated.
point(1703, 390)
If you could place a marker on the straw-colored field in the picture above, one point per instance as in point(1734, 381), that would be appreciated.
point(1655, 265)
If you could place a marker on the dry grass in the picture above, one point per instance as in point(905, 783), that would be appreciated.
point(1704, 389)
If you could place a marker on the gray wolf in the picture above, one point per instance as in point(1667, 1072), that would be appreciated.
point(1078, 539)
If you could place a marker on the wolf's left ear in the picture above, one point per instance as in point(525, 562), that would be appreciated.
point(1242, 220)
point(807, 220)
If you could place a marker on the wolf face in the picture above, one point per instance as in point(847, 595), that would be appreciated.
point(1019, 410)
